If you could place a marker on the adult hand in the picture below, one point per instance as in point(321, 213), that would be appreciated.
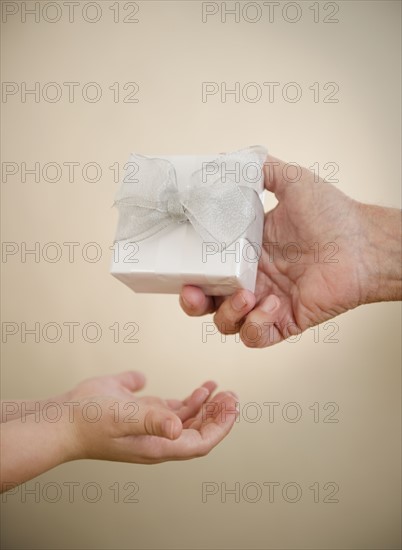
point(323, 253)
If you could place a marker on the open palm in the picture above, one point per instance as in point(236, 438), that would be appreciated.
point(147, 429)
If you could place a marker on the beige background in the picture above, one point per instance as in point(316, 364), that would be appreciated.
point(169, 53)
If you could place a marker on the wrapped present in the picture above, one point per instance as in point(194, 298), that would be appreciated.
point(190, 220)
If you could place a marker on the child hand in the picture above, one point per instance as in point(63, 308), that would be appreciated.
point(111, 424)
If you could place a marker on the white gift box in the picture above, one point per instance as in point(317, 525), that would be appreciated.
point(182, 250)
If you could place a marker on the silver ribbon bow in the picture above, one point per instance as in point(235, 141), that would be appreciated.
point(218, 199)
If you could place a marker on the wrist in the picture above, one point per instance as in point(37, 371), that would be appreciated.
point(67, 435)
point(50, 443)
point(380, 269)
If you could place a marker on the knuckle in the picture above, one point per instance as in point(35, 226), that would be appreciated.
point(250, 342)
point(148, 423)
point(252, 333)
point(225, 325)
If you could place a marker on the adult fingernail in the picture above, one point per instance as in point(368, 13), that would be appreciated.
point(270, 304)
point(238, 302)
